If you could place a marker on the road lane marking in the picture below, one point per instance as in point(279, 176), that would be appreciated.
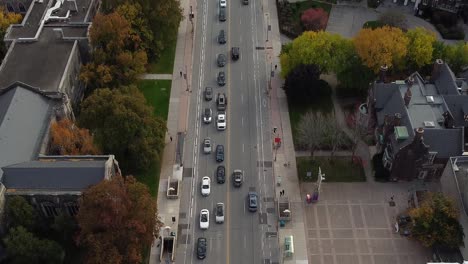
point(242, 122)
point(243, 150)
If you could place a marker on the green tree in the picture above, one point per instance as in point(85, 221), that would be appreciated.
point(420, 46)
point(117, 220)
point(327, 51)
point(353, 76)
point(303, 85)
point(20, 213)
point(23, 247)
point(123, 124)
point(436, 222)
point(140, 34)
point(457, 56)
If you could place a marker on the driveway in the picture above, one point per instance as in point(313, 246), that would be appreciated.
point(354, 223)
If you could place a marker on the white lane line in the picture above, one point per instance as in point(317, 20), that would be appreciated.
point(243, 150)
point(245, 241)
point(242, 122)
point(242, 95)
point(242, 77)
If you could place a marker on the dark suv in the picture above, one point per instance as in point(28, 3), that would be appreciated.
point(222, 14)
point(221, 37)
point(221, 78)
point(219, 153)
point(252, 199)
point(201, 248)
point(235, 53)
point(221, 102)
point(221, 174)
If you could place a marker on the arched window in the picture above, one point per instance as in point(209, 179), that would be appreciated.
point(10, 8)
point(72, 208)
point(21, 7)
point(49, 209)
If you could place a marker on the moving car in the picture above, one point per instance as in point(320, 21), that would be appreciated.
point(207, 115)
point(221, 121)
point(221, 174)
point(221, 101)
point(208, 93)
point(237, 178)
point(204, 219)
point(219, 213)
point(219, 153)
point(222, 3)
point(235, 53)
point(207, 145)
point(222, 37)
point(222, 14)
point(221, 60)
point(252, 199)
point(221, 78)
point(201, 247)
point(245, 2)
point(206, 186)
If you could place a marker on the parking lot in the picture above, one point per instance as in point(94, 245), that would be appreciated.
point(354, 223)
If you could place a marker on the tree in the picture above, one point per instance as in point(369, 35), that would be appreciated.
point(393, 18)
point(457, 56)
point(312, 131)
point(314, 19)
point(436, 222)
point(123, 124)
point(20, 213)
point(23, 247)
point(117, 219)
point(354, 77)
point(139, 29)
point(334, 135)
point(420, 46)
point(327, 51)
point(6, 19)
point(381, 46)
point(303, 85)
point(68, 139)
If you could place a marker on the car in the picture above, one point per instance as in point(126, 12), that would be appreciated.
point(201, 247)
point(207, 115)
point(252, 199)
point(221, 78)
point(222, 37)
point(237, 178)
point(204, 219)
point(245, 2)
point(235, 53)
point(206, 186)
point(222, 3)
point(219, 213)
point(221, 101)
point(219, 153)
point(221, 121)
point(207, 145)
point(222, 14)
point(221, 60)
point(220, 174)
point(208, 93)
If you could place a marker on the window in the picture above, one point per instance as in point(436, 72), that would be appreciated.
point(49, 209)
point(21, 7)
point(72, 208)
point(10, 8)
point(422, 175)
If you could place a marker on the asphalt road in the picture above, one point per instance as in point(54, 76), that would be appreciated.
point(244, 237)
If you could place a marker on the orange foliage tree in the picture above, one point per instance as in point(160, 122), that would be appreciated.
point(117, 219)
point(68, 139)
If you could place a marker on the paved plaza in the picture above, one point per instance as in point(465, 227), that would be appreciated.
point(354, 223)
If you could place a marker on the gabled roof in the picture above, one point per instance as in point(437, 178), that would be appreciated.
point(458, 106)
point(446, 81)
point(446, 142)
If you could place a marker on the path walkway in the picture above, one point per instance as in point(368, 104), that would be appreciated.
point(152, 76)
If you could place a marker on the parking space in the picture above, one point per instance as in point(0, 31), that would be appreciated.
point(354, 223)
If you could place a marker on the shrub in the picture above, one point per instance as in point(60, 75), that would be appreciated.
point(454, 32)
point(373, 24)
point(314, 19)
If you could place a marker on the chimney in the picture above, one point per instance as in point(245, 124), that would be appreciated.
point(397, 119)
point(383, 73)
point(436, 69)
point(418, 134)
point(408, 95)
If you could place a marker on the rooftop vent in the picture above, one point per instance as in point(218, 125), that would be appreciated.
point(429, 124)
point(430, 99)
point(401, 133)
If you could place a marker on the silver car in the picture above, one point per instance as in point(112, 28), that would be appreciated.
point(207, 146)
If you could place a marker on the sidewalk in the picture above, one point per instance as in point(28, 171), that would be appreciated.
point(176, 124)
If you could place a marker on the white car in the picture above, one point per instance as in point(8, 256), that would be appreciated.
point(206, 186)
point(207, 146)
point(221, 121)
point(204, 219)
point(222, 3)
point(219, 213)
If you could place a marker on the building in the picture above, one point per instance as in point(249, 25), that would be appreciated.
point(419, 124)
point(452, 6)
point(47, 49)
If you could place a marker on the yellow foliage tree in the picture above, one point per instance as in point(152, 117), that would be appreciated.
point(381, 46)
point(420, 47)
point(8, 18)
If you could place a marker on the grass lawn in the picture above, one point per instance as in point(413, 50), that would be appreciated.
point(165, 64)
point(157, 93)
point(373, 24)
point(339, 169)
point(300, 7)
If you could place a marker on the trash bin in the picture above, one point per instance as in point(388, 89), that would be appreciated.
point(282, 223)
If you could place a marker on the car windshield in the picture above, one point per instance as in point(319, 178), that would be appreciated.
point(253, 201)
point(207, 112)
point(204, 218)
point(205, 186)
point(219, 210)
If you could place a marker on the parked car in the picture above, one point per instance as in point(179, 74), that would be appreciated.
point(237, 178)
point(245, 2)
point(221, 174)
point(222, 14)
point(235, 53)
point(207, 115)
point(221, 78)
point(221, 121)
point(208, 93)
point(219, 213)
point(222, 37)
point(221, 101)
point(207, 145)
point(206, 186)
point(204, 219)
point(222, 3)
point(201, 247)
point(219, 153)
point(252, 199)
point(221, 60)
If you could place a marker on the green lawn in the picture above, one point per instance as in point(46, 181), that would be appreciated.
point(165, 64)
point(157, 93)
point(339, 169)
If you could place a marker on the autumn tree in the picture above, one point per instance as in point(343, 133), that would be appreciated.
point(393, 18)
point(19, 213)
point(436, 222)
point(117, 220)
point(6, 19)
point(381, 46)
point(312, 131)
point(140, 34)
point(303, 85)
point(457, 56)
point(123, 124)
point(314, 19)
point(420, 46)
point(68, 139)
point(327, 51)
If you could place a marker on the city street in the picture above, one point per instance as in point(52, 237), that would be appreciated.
point(244, 237)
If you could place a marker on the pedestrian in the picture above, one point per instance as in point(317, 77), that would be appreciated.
point(180, 73)
point(276, 66)
point(281, 193)
point(170, 138)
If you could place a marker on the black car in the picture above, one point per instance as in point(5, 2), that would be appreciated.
point(221, 78)
point(252, 199)
point(221, 174)
point(222, 14)
point(201, 248)
point(222, 37)
point(219, 153)
point(208, 93)
point(221, 60)
point(235, 53)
